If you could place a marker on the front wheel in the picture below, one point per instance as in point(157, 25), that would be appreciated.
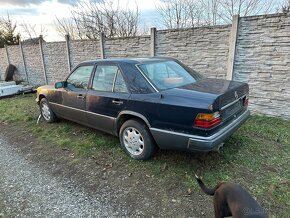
point(136, 140)
point(46, 111)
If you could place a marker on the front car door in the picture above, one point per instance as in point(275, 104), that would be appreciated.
point(73, 101)
point(107, 96)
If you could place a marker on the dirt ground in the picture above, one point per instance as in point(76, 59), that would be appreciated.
point(138, 194)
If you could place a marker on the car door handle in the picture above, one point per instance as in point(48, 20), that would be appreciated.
point(117, 102)
point(80, 96)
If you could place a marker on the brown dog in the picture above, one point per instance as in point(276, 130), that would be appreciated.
point(232, 200)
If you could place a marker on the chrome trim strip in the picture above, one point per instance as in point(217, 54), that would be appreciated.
point(89, 112)
point(203, 138)
point(101, 115)
point(137, 66)
point(235, 101)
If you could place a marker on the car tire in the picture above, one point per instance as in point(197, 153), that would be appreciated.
point(9, 72)
point(136, 140)
point(46, 112)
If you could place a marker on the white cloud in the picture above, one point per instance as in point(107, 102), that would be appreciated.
point(45, 11)
point(52, 9)
point(20, 2)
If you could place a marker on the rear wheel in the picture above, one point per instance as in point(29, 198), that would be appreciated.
point(46, 111)
point(136, 140)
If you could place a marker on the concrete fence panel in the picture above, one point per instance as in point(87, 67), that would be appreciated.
point(253, 49)
point(55, 61)
point(83, 50)
point(263, 60)
point(127, 47)
point(14, 54)
point(33, 63)
point(3, 62)
point(205, 49)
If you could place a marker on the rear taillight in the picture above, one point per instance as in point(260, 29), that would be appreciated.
point(246, 101)
point(207, 121)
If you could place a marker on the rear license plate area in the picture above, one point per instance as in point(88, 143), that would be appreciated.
point(231, 110)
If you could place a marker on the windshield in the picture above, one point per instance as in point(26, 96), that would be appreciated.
point(168, 74)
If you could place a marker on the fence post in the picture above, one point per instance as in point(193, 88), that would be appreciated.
point(23, 60)
point(7, 54)
point(232, 47)
point(42, 57)
point(68, 52)
point(102, 49)
point(152, 41)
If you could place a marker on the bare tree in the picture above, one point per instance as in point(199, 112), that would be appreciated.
point(127, 23)
point(179, 13)
point(285, 6)
point(90, 18)
point(32, 31)
point(210, 10)
point(244, 8)
point(187, 13)
point(67, 26)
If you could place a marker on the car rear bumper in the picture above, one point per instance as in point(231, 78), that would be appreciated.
point(179, 141)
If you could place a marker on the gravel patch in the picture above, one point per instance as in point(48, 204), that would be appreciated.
point(40, 179)
point(27, 190)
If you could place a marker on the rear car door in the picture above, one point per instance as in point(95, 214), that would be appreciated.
point(73, 105)
point(107, 97)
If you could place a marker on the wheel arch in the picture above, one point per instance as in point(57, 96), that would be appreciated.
point(128, 115)
point(39, 97)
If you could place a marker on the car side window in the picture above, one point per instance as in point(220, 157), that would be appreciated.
point(106, 77)
point(80, 77)
point(120, 85)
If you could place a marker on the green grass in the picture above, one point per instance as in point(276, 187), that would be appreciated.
point(257, 156)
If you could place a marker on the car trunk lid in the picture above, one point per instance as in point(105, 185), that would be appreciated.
point(231, 96)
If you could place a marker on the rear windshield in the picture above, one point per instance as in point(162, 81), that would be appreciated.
point(168, 74)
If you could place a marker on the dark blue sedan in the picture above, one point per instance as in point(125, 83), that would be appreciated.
point(149, 103)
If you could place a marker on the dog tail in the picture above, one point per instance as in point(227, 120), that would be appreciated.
point(208, 191)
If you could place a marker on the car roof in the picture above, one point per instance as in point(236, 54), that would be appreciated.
point(128, 60)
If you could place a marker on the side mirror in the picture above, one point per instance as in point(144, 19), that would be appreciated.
point(59, 85)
